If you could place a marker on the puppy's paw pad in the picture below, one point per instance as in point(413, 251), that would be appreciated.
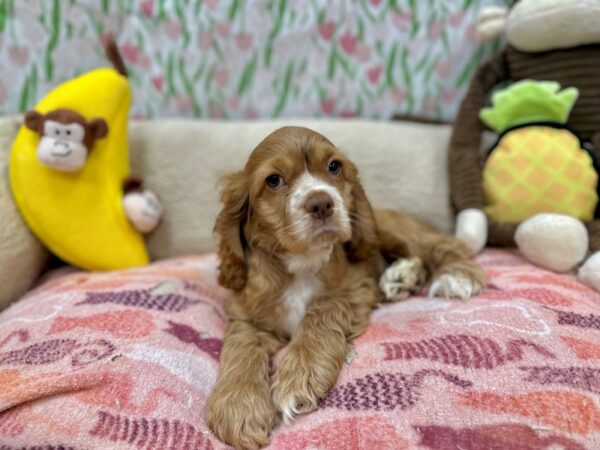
point(404, 277)
point(454, 285)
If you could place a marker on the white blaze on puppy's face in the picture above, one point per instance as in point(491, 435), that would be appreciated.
point(326, 215)
point(61, 147)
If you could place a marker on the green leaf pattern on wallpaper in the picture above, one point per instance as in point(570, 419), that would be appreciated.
point(251, 58)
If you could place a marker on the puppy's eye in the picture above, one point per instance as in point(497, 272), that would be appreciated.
point(274, 181)
point(335, 167)
point(57, 131)
point(68, 132)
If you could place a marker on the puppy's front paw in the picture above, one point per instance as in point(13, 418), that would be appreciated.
point(403, 278)
point(296, 390)
point(457, 284)
point(242, 416)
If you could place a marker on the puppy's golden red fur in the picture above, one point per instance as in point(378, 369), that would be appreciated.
point(302, 250)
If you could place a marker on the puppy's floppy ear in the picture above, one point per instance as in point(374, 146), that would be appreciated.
point(364, 242)
point(233, 271)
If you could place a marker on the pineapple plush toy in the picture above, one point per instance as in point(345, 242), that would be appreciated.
point(537, 189)
point(540, 168)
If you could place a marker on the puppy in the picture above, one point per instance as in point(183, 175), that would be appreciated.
point(303, 252)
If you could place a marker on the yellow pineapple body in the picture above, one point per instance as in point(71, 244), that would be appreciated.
point(536, 169)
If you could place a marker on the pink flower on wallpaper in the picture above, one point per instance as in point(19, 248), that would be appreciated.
point(158, 82)
point(251, 114)
point(216, 112)
point(456, 18)
point(3, 94)
point(104, 38)
point(18, 55)
point(326, 30)
point(374, 74)
point(348, 113)
point(173, 29)
point(449, 95)
point(223, 28)
point(233, 102)
point(363, 52)
point(398, 94)
point(402, 19)
point(183, 103)
point(348, 42)
point(212, 4)
point(472, 34)
point(244, 41)
point(430, 106)
point(205, 40)
point(221, 76)
point(375, 3)
point(327, 106)
point(435, 31)
point(443, 68)
point(147, 8)
point(144, 62)
point(130, 52)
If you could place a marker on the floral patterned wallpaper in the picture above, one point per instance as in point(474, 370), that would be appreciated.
point(251, 58)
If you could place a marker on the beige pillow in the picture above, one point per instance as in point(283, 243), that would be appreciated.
point(402, 166)
point(22, 256)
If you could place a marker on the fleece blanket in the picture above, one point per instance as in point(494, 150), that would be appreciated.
point(126, 360)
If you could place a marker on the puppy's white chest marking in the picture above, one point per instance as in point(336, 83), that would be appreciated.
point(297, 297)
point(305, 286)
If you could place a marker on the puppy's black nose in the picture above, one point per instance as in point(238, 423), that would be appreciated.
point(319, 205)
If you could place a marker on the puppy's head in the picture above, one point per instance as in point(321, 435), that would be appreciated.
point(297, 194)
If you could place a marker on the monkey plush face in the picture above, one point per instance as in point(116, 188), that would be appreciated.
point(66, 138)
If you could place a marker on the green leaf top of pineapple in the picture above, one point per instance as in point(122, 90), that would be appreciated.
point(529, 101)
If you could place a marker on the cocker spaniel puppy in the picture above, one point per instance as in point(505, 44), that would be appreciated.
point(304, 252)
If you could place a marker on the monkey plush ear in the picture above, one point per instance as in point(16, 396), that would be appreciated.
point(34, 121)
point(98, 128)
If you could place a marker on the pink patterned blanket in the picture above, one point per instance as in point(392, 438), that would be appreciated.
point(126, 360)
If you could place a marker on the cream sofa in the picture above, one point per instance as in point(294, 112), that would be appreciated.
point(403, 166)
point(126, 360)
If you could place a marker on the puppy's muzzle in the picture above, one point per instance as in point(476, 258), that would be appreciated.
point(319, 205)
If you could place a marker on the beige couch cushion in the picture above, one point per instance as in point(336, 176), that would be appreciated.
point(402, 166)
point(22, 257)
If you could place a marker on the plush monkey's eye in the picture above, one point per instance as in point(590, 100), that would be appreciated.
point(335, 167)
point(274, 181)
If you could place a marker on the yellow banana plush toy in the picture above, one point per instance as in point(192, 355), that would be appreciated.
point(69, 173)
